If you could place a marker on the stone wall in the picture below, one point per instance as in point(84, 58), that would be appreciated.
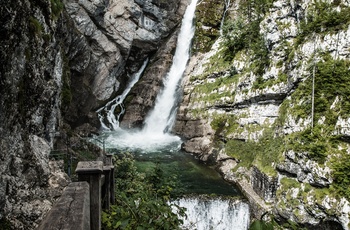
point(265, 186)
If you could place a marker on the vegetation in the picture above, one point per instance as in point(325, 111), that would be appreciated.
point(209, 14)
point(313, 141)
point(263, 225)
point(331, 81)
point(244, 33)
point(35, 26)
point(341, 174)
point(261, 153)
point(56, 8)
point(324, 17)
point(142, 201)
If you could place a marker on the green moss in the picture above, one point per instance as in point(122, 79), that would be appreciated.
point(208, 15)
point(56, 8)
point(35, 26)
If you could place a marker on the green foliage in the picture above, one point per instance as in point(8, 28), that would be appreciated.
point(243, 33)
point(331, 80)
point(56, 7)
point(141, 201)
point(35, 26)
point(262, 154)
point(262, 225)
point(324, 17)
point(341, 175)
point(245, 152)
point(313, 141)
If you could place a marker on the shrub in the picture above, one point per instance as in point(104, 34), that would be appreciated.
point(141, 202)
point(341, 175)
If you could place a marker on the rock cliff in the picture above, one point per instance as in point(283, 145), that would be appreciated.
point(60, 61)
point(268, 104)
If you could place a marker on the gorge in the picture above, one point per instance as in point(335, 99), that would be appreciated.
point(264, 96)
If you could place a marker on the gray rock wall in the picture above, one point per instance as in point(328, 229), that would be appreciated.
point(265, 186)
point(114, 38)
point(255, 106)
point(58, 64)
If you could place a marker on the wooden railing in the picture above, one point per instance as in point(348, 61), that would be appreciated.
point(81, 203)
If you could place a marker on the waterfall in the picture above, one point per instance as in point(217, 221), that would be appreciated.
point(214, 213)
point(163, 115)
point(155, 136)
point(227, 6)
point(106, 113)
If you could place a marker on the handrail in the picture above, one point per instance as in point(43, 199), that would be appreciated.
point(94, 190)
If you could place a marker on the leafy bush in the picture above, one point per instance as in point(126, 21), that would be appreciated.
point(323, 17)
point(341, 175)
point(243, 34)
point(141, 202)
point(331, 80)
point(313, 141)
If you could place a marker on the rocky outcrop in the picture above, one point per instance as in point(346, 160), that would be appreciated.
point(265, 186)
point(113, 39)
point(31, 73)
point(305, 170)
point(143, 95)
point(58, 63)
point(255, 97)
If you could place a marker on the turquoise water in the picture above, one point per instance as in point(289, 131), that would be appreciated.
point(193, 176)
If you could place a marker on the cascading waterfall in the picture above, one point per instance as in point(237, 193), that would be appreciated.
point(161, 118)
point(214, 213)
point(227, 6)
point(155, 135)
point(154, 138)
point(107, 111)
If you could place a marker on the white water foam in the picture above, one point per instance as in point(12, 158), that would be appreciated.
point(214, 213)
point(155, 134)
point(162, 117)
point(107, 111)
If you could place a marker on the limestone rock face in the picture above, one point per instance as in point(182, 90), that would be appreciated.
point(58, 64)
point(255, 105)
point(31, 73)
point(143, 95)
point(113, 39)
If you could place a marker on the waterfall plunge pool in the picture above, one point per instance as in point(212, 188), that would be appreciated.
point(211, 202)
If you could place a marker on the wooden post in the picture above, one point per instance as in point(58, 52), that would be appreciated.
point(112, 186)
point(91, 172)
point(106, 188)
point(109, 162)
